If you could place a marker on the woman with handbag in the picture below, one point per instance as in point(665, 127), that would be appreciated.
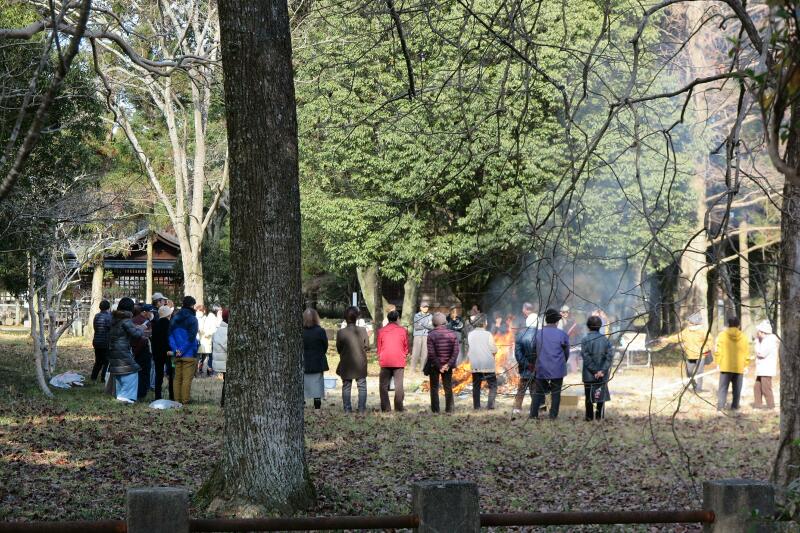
point(597, 356)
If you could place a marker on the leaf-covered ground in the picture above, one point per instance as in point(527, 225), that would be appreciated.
point(73, 458)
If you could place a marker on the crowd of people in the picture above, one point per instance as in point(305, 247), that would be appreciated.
point(546, 348)
point(137, 345)
point(542, 348)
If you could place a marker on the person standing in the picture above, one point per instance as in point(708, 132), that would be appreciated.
point(141, 348)
point(206, 326)
point(597, 355)
point(219, 350)
point(766, 349)
point(525, 354)
point(530, 314)
point(315, 357)
point(552, 349)
point(442, 355)
point(732, 353)
point(352, 342)
point(183, 343)
point(454, 321)
point(100, 341)
point(158, 300)
point(695, 341)
point(422, 325)
point(392, 353)
point(481, 359)
point(160, 345)
point(121, 364)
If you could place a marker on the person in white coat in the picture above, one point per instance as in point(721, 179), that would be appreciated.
point(766, 348)
point(219, 350)
point(206, 326)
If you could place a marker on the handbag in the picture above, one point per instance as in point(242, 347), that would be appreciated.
point(427, 368)
point(709, 358)
point(599, 392)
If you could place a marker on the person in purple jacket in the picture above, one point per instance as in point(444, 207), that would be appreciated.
point(552, 347)
point(443, 347)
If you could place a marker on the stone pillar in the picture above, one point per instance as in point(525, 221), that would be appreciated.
point(158, 510)
point(446, 506)
point(740, 506)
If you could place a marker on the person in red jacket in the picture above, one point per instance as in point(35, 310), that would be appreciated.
point(392, 352)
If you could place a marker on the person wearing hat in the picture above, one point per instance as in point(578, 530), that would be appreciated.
point(143, 318)
point(121, 364)
point(695, 341)
point(552, 351)
point(766, 349)
point(183, 343)
point(732, 353)
point(160, 345)
point(423, 323)
point(158, 300)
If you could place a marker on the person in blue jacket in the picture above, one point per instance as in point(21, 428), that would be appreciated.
point(183, 344)
point(552, 352)
point(525, 354)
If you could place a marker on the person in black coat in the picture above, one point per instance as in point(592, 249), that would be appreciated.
point(597, 355)
point(160, 344)
point(121, 363)
point(100, 340)
point(315, 349)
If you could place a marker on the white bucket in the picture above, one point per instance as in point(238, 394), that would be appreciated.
point(330, 383)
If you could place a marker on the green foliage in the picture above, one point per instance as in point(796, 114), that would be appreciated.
point(461, 177)
point(217, 269)
point(66, 159)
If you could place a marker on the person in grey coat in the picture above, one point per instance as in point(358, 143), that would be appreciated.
point(481, 360)
point(597, 355)
point(423, 324)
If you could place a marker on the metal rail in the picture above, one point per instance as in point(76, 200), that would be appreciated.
point(304, 524)
point(77, 526)
point(322, 523)
point(611, 517)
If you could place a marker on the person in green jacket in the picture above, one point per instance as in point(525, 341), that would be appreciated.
point(597, 356)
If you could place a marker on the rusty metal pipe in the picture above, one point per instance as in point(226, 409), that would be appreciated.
point(304, 524)
point(77, 526)
point(612, 517)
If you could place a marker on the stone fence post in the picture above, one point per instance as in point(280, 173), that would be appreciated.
point(740, 506)
point(158, 510)
point(444, 506)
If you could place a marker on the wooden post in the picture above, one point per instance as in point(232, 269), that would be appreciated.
point(149, 269)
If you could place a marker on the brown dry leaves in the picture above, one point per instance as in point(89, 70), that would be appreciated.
point(74, 458)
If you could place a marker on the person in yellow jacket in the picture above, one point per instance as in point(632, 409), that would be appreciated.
point(733, 355)
point(695, 342)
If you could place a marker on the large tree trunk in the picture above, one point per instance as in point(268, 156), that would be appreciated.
point(787, 461)
point(97, 296)
point(264, 461)
point(369, 280)
point(410, 291)
point(193, 275)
